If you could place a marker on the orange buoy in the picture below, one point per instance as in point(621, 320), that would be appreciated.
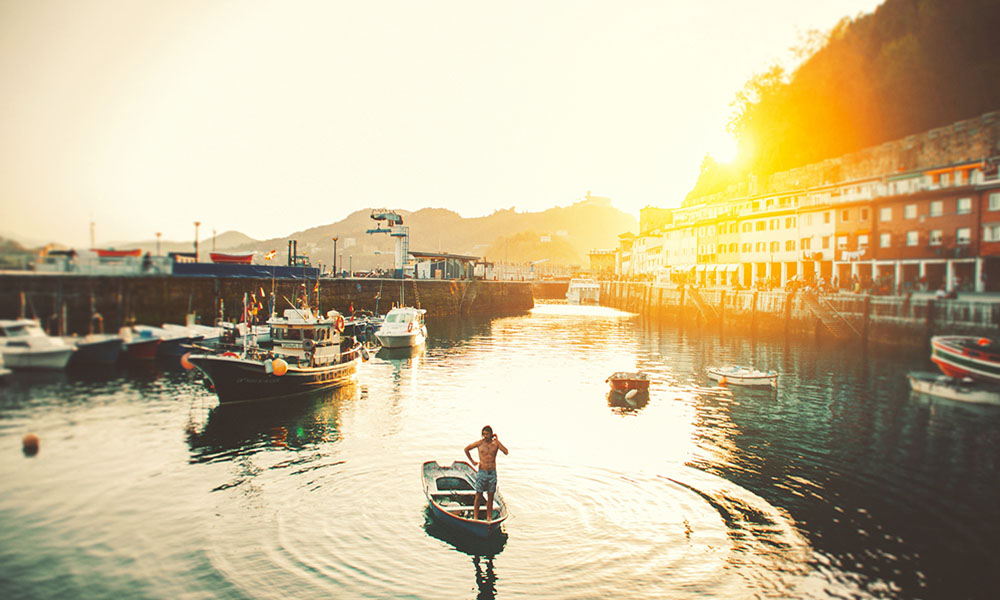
point(280, 367)
point(187, 364)
point(30, 444)
point(722, 381)
point(984, 341)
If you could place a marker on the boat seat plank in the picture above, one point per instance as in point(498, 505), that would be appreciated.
point(449, 493)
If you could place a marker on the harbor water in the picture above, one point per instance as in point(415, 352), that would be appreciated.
point(839, 483)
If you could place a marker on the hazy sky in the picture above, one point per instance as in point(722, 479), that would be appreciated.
point(270, 117)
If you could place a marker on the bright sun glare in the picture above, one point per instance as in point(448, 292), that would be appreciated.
point(723, 149)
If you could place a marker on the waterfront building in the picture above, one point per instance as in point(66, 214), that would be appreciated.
point(922, 212)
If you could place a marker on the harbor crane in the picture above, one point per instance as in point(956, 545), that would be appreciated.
point(392, 223)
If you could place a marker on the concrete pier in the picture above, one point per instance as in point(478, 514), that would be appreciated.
point(887, 320)
point(67, 303)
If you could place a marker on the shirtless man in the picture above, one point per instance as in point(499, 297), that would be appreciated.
point(486, 478)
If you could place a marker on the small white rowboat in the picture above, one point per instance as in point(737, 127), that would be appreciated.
point(737, 375)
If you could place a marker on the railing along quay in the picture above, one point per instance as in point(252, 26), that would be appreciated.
point(893, 320)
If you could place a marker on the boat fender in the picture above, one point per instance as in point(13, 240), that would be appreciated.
point(187, 364)
point(279, 366)
point(339, 324)
point(409, 327)
point(364, 353)
point(269, 366)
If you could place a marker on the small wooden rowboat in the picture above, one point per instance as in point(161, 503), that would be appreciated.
point(623, 381)
point(962, 389)
point(451, 492)
point(737, 375)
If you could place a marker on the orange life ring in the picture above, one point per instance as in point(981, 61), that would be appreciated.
point(231, 354)
point(409, 327)
point(339, 324)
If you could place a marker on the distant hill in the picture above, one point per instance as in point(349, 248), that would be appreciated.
point(559, 236)
point(575, 230)
point(909, 67)
point(224, 242)
point(14, 255)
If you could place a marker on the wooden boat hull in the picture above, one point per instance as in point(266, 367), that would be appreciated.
point(746, 378)
point(450, 493)
point(624, 382)
point(142, 349)
point(962, 390)
point(99, 349)
point(237, 379)
point(964, 356)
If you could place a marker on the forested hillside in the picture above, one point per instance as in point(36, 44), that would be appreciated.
point(911, 66)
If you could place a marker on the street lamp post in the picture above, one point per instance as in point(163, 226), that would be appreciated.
point(335, 256)
point(196, 224)
point(213, 240)
point(158, 234)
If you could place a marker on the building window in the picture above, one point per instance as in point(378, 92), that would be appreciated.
point(722, 248)
point(826, 217)
point(864, 214)
point(937, 208)
point(732, 228)
point(910, 211)
point(844, 215)
point(945, 179)
point(936, 237)
point(761, 246)
point(790, 245)
point(806, 243)
point(912, 238)
point(761, 225)
point(841, 242)
point(747, 246)
point(732, 247)
point(963, 235)
point(885, 214)
point(995, 201)
point(885, 240)
point(774, 224)
point(991, 233)
point(862, 240)
point(789, 222)
point(826, 242)
point(964, 206)
point(809, 218)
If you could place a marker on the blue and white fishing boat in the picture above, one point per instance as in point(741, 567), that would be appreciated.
point(450, 492)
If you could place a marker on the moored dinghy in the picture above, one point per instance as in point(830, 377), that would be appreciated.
point(450, 493)
point(738, 375)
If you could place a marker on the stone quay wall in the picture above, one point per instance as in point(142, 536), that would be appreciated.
point(66, 303)
point(884, 320)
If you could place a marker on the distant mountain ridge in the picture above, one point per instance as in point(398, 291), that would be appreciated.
point(564, 236)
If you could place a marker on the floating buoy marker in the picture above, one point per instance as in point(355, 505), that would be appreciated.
point(279, 366)
point(30, 444)
point(722, 381)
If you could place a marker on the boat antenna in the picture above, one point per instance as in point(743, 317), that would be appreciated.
point(304, 317)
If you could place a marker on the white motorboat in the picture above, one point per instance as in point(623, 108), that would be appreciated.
point(964, 389)
point(738, 375)
point(24, 345)
point(403, 328)
point(583, 291)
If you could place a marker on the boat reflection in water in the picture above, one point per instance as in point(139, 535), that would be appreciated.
point(296, 422)
point(482, 551)
point(628, 402)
